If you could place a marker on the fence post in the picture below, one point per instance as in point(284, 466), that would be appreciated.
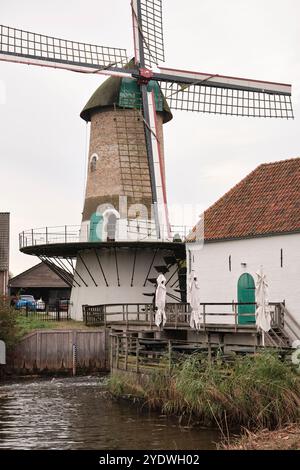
point(235, 317)
point(118, 347)
point(27, 309)
point(126, 353)
point(209, 348)
point(170, 354)
point(111, 352)
point(204, 318)
point(66, 233)
point(58, 310)
point(32, 242)
point(137, 355)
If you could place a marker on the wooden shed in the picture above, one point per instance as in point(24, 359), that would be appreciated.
point(41, 282)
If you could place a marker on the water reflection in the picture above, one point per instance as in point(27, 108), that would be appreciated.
point(76, 414)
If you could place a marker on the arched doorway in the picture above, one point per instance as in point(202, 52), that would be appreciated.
point(111, 217)
point(246, 293)
point(96, 223)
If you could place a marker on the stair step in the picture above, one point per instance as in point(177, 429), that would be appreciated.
point(170, 260)
point(179, 290)
point(162, 269)
point(148, 294)
point(152, 280)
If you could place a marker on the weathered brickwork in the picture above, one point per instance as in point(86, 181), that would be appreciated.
point(118, 139)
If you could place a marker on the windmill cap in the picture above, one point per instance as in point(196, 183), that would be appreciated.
point(108, 95)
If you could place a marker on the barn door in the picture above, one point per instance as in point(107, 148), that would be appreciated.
point(246, 293)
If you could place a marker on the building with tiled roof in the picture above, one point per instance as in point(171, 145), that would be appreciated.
point(266, 202)
point(256, 223)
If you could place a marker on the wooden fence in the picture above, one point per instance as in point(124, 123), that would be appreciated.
point(178, 314)
point(65, 350)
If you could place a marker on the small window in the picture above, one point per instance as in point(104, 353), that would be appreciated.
point(93, 162)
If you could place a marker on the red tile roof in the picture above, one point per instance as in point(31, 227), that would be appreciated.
point(266, 202)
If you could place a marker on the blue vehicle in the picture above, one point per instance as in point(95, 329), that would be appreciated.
point(26, 301)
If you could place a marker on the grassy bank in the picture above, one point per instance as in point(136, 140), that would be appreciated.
point(15, 324)
point(287, 438)
point(256, 392)
point(27, 324)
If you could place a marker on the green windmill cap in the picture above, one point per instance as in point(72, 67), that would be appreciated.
point(124, 93)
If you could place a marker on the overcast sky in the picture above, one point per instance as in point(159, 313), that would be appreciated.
point(43, 139)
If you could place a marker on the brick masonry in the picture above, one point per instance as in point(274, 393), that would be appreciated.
point(118, 138)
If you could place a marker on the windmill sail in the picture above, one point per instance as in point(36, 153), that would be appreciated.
point(147, 23)
point(217, 94)
point(27, 47)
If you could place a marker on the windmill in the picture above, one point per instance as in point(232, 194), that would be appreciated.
point(148, 91)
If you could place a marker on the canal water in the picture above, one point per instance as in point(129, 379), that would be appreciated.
point(76, 413)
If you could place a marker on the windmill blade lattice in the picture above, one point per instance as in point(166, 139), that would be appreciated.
point(28, 45)
point(147, 14)
point(229, 101)
point(217, 94)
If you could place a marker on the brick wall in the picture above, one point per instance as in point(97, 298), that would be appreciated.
point(118, 139)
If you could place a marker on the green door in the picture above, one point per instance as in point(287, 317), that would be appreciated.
point(246, 293)
point(96, 222)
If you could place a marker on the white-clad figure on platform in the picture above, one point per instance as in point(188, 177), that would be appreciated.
point(194, 301)
point(160, 301)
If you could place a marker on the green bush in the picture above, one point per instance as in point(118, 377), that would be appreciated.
point(8, 326)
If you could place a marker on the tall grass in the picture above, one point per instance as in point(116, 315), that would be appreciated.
point(259, 391)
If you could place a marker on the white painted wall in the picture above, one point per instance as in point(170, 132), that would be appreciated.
point(218, 284)
point(115, 294)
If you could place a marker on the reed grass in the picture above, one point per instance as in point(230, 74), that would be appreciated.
point(256, 392)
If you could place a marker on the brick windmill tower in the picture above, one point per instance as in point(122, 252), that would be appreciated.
point(118, 173)
point(125, 238)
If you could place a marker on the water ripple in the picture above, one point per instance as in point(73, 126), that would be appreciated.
point(74, 414)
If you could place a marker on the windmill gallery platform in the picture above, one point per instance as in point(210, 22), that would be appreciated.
point(129, 269)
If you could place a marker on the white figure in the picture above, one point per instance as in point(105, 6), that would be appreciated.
point(194, 300)
point(262, 314)
point(160, 301)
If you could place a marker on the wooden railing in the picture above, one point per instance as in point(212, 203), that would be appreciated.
point(130, 353)
point(178, 314)
point(290, 326)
